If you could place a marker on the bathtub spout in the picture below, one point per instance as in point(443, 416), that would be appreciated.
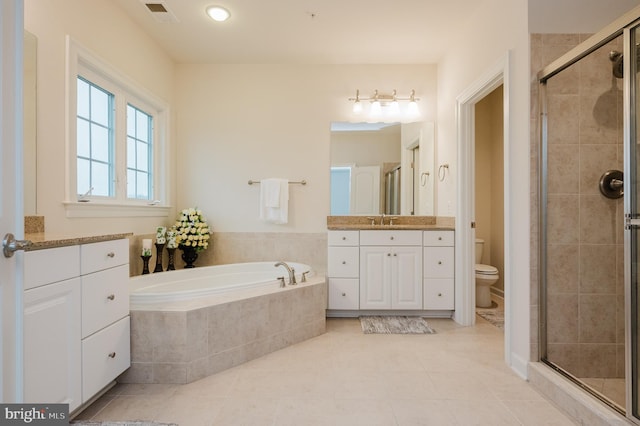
point(290, 271)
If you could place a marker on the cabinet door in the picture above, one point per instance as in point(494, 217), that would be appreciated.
point(52, 348)
point(406, 277)
point(375, 277)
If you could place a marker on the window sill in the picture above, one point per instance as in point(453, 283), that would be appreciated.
point(97, 209)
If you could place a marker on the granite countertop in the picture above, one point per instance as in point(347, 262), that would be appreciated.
point(42, 240)
point(399, 222)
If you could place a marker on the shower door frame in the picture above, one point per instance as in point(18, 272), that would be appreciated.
point(621, 26)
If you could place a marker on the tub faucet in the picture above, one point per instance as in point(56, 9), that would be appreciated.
point(290, 270)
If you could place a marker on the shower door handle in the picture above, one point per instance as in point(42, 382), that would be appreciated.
point(631, 221)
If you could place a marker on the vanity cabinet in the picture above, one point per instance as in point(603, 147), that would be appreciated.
point(390, 269)
point(76, 321)
point(439, 270)
point(343, 270)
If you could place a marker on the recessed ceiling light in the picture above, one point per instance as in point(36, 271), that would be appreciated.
point(218, 13)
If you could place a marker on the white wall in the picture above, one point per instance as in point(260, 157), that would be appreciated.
point(575, 16)
point(241, 122)
point(104, 29)
point(501, 26)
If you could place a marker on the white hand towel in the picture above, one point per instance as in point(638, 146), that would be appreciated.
point(274, 200)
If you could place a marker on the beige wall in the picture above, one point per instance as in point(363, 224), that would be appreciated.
point(489, 179)
point(101, 27)
point(585, 301)
point(241, 122)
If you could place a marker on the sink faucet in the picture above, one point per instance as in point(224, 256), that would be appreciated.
point(290, 271)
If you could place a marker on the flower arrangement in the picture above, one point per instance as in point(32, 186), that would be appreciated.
point(192, 230)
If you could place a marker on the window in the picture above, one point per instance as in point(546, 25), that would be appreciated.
point(117, 142)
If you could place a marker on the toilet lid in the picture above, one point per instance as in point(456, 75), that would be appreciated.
point(486, 269)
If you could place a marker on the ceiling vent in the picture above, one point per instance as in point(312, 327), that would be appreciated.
point(160, 12)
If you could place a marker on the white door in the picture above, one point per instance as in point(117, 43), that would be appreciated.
point(365, 190)
point(11, 30)
point(406, 278)
point(375, 277)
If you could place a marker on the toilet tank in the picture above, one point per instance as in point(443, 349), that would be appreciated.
point(479, 247)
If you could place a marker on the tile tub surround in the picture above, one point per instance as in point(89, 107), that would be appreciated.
point(183, 345)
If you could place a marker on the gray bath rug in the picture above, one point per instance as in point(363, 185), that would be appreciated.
point(395, 325)
point(108, 423)
point(493, 315)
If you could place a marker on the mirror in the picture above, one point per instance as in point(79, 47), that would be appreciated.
point(382, 168)
point(29, 124)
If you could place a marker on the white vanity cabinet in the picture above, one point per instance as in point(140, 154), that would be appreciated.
point(343, 270)
point(52, 330)
point(391, 269)
point(439, 269)
point(76, 321)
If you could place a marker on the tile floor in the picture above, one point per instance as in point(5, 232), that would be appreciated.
point(344, 377)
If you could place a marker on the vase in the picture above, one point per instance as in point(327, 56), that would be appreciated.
point(189, 255)
point(171, 266)
point(145, 264)
point(159, 249)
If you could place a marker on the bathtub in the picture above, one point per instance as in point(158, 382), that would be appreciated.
point(191, 323)
point(188, 284)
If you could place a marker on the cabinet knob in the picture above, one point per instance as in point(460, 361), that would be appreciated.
point(439, 238)
point(111, 254)
point(395, 254)
point(111, 296)
point(439, 294)
point(389, 254)
point(112, 355)
point(344, 238)
point(344, 294)
point(439, 262)
point(344, 262)
point(391, 237)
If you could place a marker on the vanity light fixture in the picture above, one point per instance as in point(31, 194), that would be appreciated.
point(383, 100)
point(218, 13)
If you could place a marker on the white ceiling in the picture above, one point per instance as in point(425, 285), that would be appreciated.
point(306, 31)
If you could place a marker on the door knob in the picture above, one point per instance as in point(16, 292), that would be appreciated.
point(10, 245)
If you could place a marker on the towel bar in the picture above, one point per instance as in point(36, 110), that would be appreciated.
point(302, 182)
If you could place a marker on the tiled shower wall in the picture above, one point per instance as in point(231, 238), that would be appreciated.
point(585, 330)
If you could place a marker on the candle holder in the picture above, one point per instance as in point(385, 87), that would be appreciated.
point(145, 264)
point(159, 248)
point(172, 253)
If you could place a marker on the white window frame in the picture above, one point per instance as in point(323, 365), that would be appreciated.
point(81, 61)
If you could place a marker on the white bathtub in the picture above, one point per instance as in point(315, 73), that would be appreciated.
point(188, 284)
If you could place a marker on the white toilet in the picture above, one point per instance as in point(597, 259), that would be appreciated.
point(486, 276)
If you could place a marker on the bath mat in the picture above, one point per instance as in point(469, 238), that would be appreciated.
point(109, 423)
point(395, 325)
point(495, 316)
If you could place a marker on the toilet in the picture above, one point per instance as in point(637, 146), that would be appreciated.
point(486, 276)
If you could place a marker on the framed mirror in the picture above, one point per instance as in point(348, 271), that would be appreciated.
point(382, 168)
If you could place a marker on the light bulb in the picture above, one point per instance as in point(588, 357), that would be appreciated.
point(218, 13)
point(394, 108)
point(357, 107)
point(413, 108)
point(376, 108)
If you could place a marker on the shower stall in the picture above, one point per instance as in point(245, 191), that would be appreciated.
point(590, 212)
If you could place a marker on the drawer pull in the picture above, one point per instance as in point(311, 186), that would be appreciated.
point(439, 262)
point(439, 238)
point(344, 238)
point(344, 262)
point(344, 294)
point(112, 355)
point(111, 296)
point(391, 238)
point(111, 254)
point(389, 254)
point(439, 294)
point(395, 254)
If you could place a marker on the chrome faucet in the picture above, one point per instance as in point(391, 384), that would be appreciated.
point(290, 270)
